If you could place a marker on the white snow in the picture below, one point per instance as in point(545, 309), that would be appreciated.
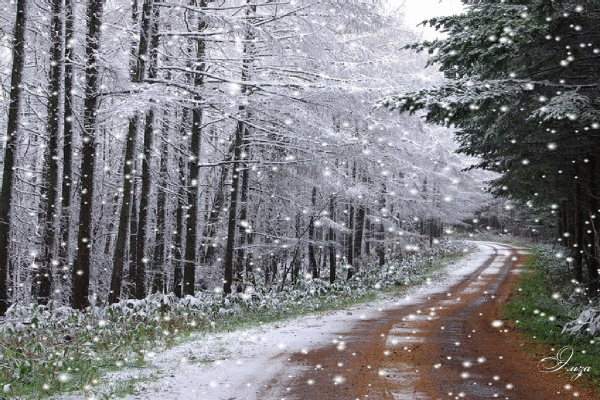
point(238, 365)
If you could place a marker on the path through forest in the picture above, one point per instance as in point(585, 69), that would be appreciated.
point(443, 341)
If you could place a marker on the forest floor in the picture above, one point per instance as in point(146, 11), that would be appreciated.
point(443, 340)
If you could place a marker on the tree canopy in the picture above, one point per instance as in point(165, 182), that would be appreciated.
point(185, 145)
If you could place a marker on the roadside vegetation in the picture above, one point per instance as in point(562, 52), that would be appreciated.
point(553, 313)
point(45, 350)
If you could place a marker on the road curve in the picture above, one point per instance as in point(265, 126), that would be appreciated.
point(450, 345)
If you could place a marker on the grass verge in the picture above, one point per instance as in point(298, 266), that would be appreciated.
point(538, 312)
point(41, 358)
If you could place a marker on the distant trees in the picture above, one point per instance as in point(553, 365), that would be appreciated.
point(212, 145)
point(524, 92)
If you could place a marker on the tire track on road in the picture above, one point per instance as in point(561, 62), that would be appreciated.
point(447, 346)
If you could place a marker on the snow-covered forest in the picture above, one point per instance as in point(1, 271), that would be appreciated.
point(184, 146)
point(176, 169)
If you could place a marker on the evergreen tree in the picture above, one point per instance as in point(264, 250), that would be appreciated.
point(524, 93)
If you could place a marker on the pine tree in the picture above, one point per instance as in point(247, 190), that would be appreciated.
point(522, 91)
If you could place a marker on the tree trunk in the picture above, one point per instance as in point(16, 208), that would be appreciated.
point(133, 50)
point(12, 128)
point(179, 235)
point(594, 213)
point(564, 225)
point(350, 243)
point(367, 236)
point(148, 44)
point(120, 245)
point(312, 261)
point(271, 270)
point(133, 232)
point(189, 271)
point(359, 226)
point(65, 225)
point(50, 176)
point(81, 265)
point(210, 229)
point(575, 208)
point(381, 229)
point(240, 133)
point(578, 258)
point(119, 257)
point(331, 238)
point(161, 217)
point(142, 233)
point(244, 226)
point(233, 203)
point(296, 262)
point(180, 218)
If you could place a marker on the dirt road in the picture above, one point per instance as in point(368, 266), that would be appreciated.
point(444, 340)
point(451, 345)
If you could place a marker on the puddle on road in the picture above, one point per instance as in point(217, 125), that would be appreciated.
point(392, 341)
point(491, 271)
point(516, 271)
point(408, 395)
point(399, 329)
point(450, 302)
point(419, 317)
point(404, 375)
point(469, 290)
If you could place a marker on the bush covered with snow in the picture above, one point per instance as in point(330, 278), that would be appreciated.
point(46, 345)
point(210, 305)
point(587, 322)
point(567, 298)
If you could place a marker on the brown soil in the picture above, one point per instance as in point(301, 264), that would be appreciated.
point(444, 348)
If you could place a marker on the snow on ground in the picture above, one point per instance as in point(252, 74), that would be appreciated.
point(239, 365)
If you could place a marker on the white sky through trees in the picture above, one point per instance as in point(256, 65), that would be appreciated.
point(416, 11)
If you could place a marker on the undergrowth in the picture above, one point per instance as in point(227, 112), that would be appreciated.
point(45, 350)
point(544, 301)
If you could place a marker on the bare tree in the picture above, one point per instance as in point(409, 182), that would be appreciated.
point(68, 106)
point(12, 130)
point(240, 133)
point(148, 45)
point(49, 202)
point(189, 269)
point(81, 264)
point(119, 257)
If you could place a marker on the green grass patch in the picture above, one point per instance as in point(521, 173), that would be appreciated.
point(538, 311)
